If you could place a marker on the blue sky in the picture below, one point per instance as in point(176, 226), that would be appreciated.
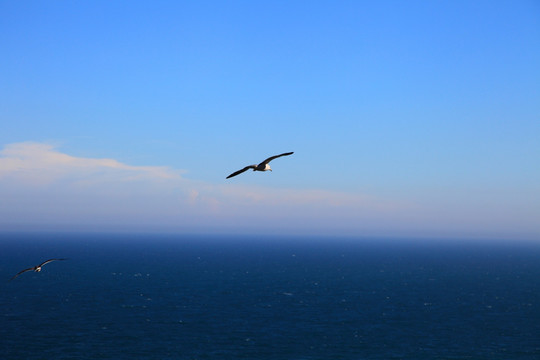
point(413, 118)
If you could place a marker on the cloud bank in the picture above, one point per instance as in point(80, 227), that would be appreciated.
point(43, 188)
point(40, 164)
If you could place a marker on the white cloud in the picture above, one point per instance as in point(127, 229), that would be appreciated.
point(41, 187)
point(40, 184)
point(41, 163)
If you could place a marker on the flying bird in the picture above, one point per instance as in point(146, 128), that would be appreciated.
point(264, 166)
point(36, 268)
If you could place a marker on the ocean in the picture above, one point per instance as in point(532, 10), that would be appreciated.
point(194, 297)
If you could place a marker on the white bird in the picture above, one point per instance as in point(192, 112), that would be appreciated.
point(36, 268)
point(264, 166)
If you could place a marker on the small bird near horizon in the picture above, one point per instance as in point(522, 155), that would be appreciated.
point(263, 166)
point(36, 268)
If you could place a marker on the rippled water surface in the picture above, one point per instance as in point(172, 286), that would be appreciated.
point(180, 297)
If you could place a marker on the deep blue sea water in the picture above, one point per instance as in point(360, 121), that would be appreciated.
point(182, 297)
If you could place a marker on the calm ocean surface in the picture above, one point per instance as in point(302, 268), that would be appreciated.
point(180, 297)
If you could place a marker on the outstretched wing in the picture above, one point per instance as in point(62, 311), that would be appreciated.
point(20, 272)
point(276, 156)
point(242, 170)
point(48, 261)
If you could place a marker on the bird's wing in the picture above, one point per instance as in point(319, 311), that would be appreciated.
point(48, 261)
point(242, 170)
point(276, 156)
point(20, 272)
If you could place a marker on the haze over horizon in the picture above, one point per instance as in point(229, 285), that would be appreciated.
point(413, 119)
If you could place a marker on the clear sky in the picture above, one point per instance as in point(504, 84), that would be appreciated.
point(407, 118)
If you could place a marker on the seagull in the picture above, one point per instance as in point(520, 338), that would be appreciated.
point(261, 167)
point(36, 268)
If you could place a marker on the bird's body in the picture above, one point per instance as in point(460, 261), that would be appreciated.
point(36, 268)
point(263, 166)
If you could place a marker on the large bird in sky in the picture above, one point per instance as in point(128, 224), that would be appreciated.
point(263, 166)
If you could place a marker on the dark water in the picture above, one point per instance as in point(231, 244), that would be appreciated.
point(157, 297)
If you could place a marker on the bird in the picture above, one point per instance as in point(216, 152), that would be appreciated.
point(36, 268)
point(263, 166)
